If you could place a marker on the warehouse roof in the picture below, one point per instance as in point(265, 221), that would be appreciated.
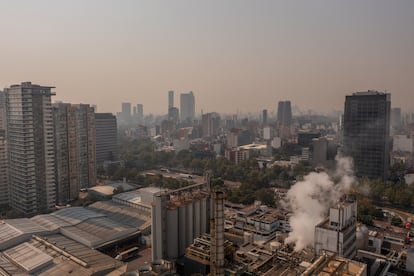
point(55, 255)
point(120, 213)
point(95, 232)
point(75, 215)
point(28, 257)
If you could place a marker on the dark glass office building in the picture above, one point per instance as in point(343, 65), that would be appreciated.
point(366, 136)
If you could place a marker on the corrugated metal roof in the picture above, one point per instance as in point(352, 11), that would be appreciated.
point(96, 260)
point(120, 213)
point(75, 215)
point(133, 196)
point(8, 232)
point(28, 257)
point(10, 268)
point(50, 222)
point(95, 232)
point(25, 225)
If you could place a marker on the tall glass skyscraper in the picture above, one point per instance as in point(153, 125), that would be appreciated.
point(366, 133)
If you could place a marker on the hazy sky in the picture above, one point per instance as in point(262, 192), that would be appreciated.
point(233, 54)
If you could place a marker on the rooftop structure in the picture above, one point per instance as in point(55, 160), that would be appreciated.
point(54, 255)
point(101, 224)
point(140, 199)
point(107, 191)
point(335, 265)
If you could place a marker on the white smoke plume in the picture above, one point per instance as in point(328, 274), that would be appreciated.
point(309, 201)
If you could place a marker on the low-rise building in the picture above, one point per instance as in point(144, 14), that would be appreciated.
point(337, 233)
point(335, 265)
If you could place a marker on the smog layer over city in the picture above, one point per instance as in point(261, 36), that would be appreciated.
point(207, 137)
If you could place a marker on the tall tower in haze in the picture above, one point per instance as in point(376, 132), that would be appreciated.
point(187, 106)
point(366, 133)
point(170, 99)
point(106, 138)
point(31, 148)
point(126, 113)
point(140, 113)
point(284, 118)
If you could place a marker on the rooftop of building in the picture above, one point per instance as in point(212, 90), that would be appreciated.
point(253, 147)
point(108, 189)
point(335, 265)
point(282, 260)
point(368, 93)
point(94, 226)
point(54, 255)
point(121, 213)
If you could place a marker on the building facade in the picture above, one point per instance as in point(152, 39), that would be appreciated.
point(366, 133)
point(140, 114)
point(170, 99)
point(337, 234)
point(31, 148)
point(210, 123)
point(75, 149)
point(4, 171)
point(284, 118)
point(125, 115)
point(187, 106)
point(106, 138)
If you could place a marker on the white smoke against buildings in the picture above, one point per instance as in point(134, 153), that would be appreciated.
point(309, 201)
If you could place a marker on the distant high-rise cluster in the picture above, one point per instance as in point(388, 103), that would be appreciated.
point(366, 133)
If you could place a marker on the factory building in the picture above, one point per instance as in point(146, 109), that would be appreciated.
point(178, 217)
point(337, 233)
point(335, 265)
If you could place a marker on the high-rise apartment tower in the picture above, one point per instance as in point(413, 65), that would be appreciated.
point(75, 149)
point(31, 148)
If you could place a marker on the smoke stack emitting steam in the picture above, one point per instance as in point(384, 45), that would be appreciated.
point(309, 200)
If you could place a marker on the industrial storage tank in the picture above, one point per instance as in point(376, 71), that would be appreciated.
point(182, 228)
point(172, 233)
point(189, 215)
point(203, 215)
point(362, 237)
point(197, 219)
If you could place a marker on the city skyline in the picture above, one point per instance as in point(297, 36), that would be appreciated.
point(234, 55)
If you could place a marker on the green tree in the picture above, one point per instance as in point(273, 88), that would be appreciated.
point(266, 196)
